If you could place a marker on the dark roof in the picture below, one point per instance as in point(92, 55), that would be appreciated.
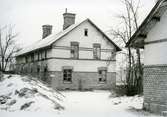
point(43, 43)
point(149, 22)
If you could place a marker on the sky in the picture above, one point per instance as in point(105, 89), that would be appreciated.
point(28, 16)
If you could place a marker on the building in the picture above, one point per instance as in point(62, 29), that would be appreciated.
point(152, 36)
point(75, 58)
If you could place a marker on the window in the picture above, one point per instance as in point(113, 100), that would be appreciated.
point(32, 57)
point(42, 55)
point(86, 32)
point(38, 56)
point(67, 75)
point(102, 75)
point(44, 78)
point(75, 50)
point(45, 54)
point(96, 51)
point(38, 69)
point(26, 59)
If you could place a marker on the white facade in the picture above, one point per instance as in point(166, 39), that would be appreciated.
point(93, 65)
point(61, 49)
point(156, 51)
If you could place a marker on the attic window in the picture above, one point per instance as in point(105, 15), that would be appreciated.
point(86, 32)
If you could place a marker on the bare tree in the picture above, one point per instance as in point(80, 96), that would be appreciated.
point(129, 23)
point(7, 46)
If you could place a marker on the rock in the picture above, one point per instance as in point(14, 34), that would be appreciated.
point(26, 92)
point(3, 101)
point(58, 107)
point(9, 85)
point(11, 102)
point(4, 98)
point(26, 105)
point(9, 76)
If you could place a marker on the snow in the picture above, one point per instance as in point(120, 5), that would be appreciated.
point(75, 103)
point(42, 97)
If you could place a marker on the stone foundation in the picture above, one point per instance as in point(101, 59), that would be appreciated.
point(80, 80)
point(155, 88)
point(83, 81)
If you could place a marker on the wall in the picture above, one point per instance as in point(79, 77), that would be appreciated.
point(155, 70)
point(94, 36)
point(84, 53)
point(156, 53)
point(155, 88)
point(83, 80)
point(80, 65)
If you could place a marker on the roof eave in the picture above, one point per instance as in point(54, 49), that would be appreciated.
point(150, 16)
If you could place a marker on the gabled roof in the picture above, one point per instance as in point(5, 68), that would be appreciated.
point(48, 41)
point(137, 39)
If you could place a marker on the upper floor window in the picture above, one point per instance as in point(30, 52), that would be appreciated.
point(75, 50)
point(32, 57)
point(96, 51)
point(38, 56)
point(102, 74)
point(45, 54)
point(26, 59)
point(86, 32)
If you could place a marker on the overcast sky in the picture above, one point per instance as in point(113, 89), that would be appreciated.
point(29, 15)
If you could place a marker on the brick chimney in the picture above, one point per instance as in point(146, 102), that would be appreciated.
point(47, 30)
point(69, 19)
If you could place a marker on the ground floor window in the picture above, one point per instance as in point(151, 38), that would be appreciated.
point(102, 72)
point(45, 74)
point(67, 75)
point(38, 69)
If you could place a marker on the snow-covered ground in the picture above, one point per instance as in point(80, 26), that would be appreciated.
point(50, 103)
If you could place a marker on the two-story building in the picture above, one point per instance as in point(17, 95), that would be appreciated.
point(152, 36)
point(81, 56)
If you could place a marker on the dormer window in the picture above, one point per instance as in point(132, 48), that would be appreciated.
point(86, 32)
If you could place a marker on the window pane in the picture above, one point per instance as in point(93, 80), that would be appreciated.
point(74, 51)
point(86, 32)
point(67, 75)
point(102, 75)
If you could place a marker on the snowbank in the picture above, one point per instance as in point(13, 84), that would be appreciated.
point(22, 93)
point(23, 97)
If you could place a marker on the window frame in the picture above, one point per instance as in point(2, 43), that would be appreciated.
point(67, 74)
point(96, 52)
point(32, 57)
point(74, 50)
point(46, 54)
point(86, 32)
point(102, 76)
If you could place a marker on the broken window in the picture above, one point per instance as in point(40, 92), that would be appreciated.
point(102, 74)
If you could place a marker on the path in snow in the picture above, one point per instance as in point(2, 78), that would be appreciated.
point(99, 104)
